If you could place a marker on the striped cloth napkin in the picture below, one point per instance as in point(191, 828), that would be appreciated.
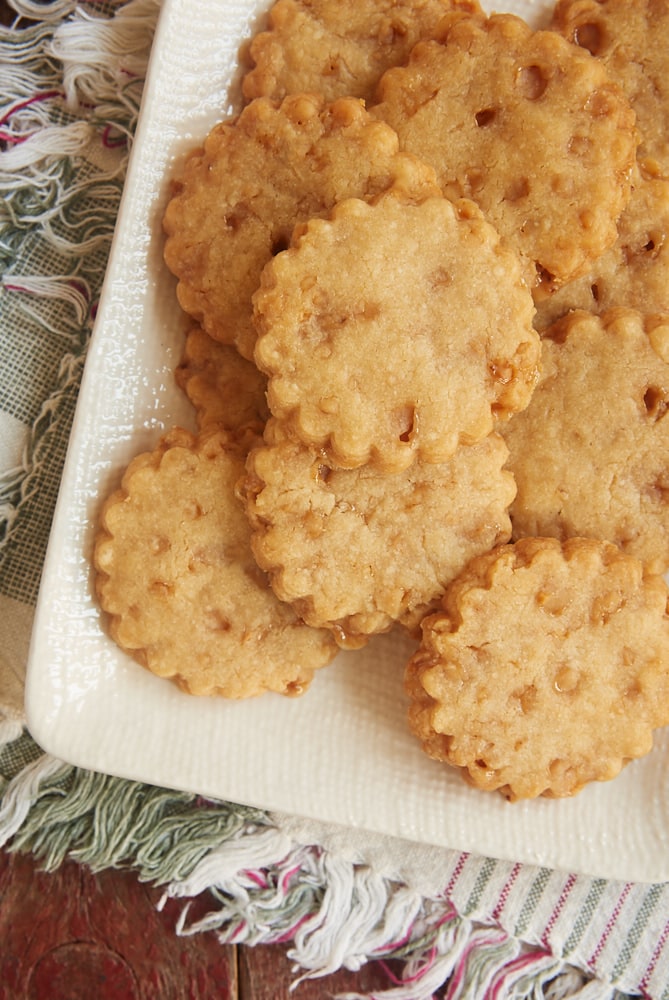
point(70, 88)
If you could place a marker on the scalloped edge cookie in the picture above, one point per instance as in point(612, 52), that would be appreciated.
point(547, 668)
point(176, 575)
point(395, 330)
point(526, 124)
point(355, 550)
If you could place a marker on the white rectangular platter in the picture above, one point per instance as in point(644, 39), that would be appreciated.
point(342, 753)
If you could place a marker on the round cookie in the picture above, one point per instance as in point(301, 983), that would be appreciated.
point(395, 330)
point(528, 126)
point(632, 41)
point(333, 48)
point(591, 453)
point(226, 390)
point(355, 550)
point(634, 273)
point(547, 668)
point(238, 200)
point(176, 574)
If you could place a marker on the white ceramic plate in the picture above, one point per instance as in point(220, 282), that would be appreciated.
point(343, 752)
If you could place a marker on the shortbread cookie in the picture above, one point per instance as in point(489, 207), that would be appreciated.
point(547, 668)
point(333, 48)
point(634, 272)
point(591, 452)
point(238, 201)
point(395, 331)
point(528, 126)
point(356, 550)
point(226, 390)
point(632, 41)
point(176, 574)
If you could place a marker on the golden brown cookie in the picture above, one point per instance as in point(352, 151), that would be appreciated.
point(632, 40)
point(634, 272)
point(395, 330)
point(336, 49)
point(226, 390)
point(591, 452)
point(547, 668)
point(355, 550)
point(237, 202)
point(176, 574)
point(528, 126)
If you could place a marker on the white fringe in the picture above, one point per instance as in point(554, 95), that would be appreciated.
point(359, 916)
point(359, 913)
point(60, 141)
point(21, 794)
point(220, 868)
point(103, 58)
point(38, 10)
point(56, 288)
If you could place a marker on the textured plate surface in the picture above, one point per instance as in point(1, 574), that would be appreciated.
point(343, 752)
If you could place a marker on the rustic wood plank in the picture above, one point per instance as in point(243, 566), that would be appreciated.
point(72, 935)
point(265, 973)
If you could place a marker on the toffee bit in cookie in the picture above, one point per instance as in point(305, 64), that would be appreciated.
point(632, 41)
point(396, 331)
point(633, 273)
point(529, 126)
point(176, 575)
point(547, 668)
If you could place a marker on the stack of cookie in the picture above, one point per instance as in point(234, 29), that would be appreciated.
point(409, 411)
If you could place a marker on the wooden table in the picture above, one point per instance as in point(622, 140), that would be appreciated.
point(73, 935)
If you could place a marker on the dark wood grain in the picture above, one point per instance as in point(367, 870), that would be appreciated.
point(73, 935)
